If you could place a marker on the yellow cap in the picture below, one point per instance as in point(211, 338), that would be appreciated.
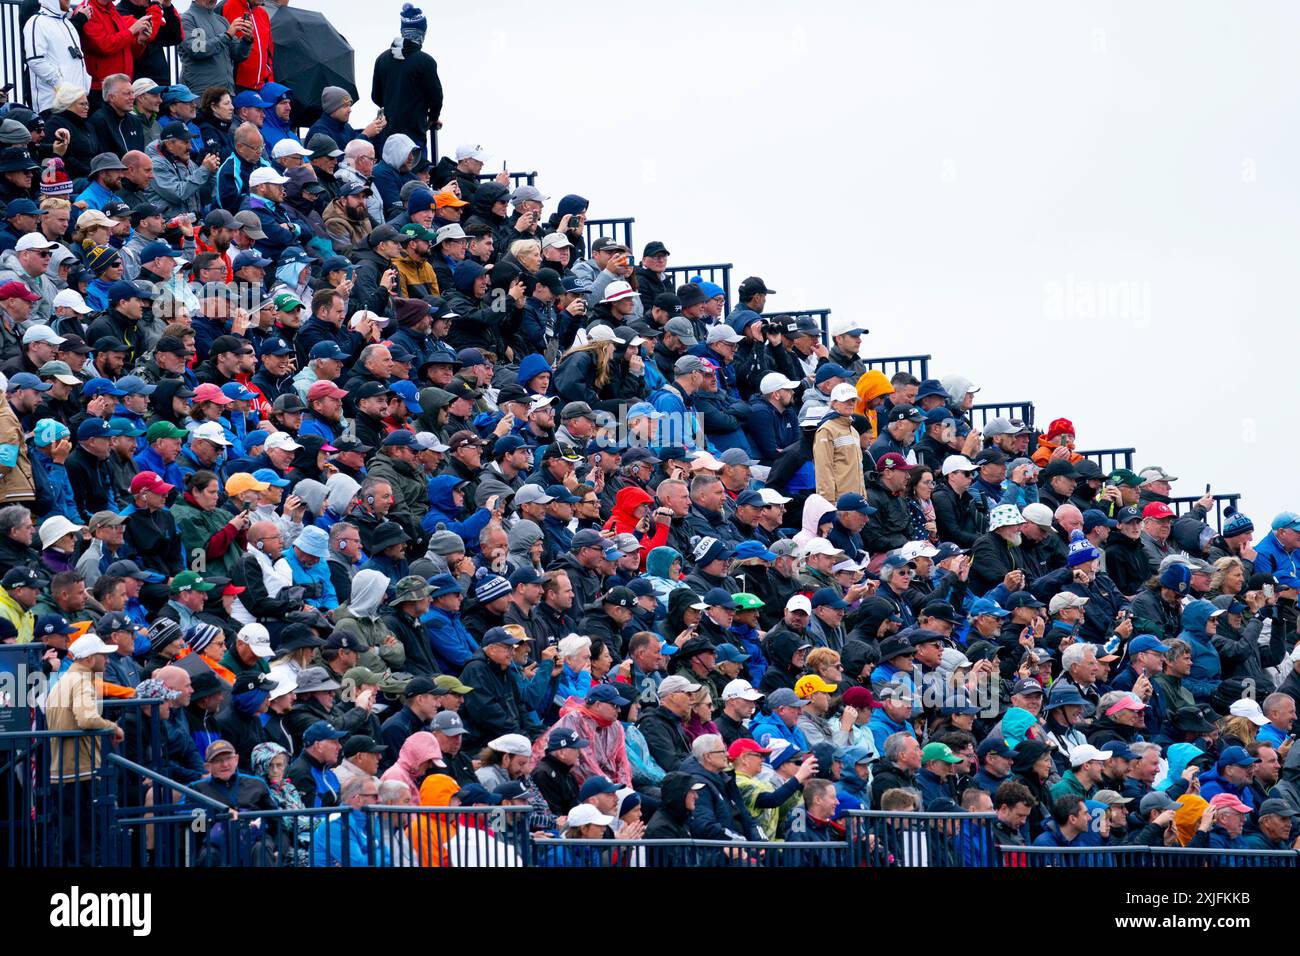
point(811, 684)
point(242, 481)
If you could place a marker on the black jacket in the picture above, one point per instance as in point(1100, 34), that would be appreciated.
point(91, 481)
point(117, 134)
point(257, 599)
point(153, 541)
point(394, 733)
point(419, 653)
point(1126, 563)
point(991, 558)
point(664, 735)
point(960, 518)
point(890, 527)
point(888, 777)
point(300, 775)
point(495, 707)
point(556, 783)
point(243, 731)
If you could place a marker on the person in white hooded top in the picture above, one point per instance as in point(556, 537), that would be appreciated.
point(54, 55)
point(360, 618)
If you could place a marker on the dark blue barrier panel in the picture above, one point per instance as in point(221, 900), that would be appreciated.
point(918, 365)
point(982, 413)
point(516, 179)
point(620, 230)
point(717, 273)
point(1111, 458)
point(1215, 516)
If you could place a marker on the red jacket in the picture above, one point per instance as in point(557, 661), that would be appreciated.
point(255, 69)
point(108, 43)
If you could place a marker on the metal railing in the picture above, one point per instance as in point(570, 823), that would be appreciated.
point(918, 365)
point(666, 853)
point(1215, 517)
point(982, 413)
point(516, 179)
point(1111, 458)
point(933, 840)
point(620, 230)
point(449, 836)
point(719, 273)
point(1143, 857)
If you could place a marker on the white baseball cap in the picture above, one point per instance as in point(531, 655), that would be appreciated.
point(264, 175)
point(847, 326)
point(585, 813)
point(472, 151)
point(257, 637)
point(601, 333)
point(844, 392)
point(33, 240)
point(556, 240)
point(616, 290)
point(957, 463)
point(775, 381)
point(740, 688)
point(42, 333)
point(289, 147)
point(722, 332)
point(1085, 752)
point(212, 431)
point(799, 602)
point(283, 441)
point(71, 299)
point(362, 314)
point(539, 401)
point(820, 546)
point(88, 645)
point(1248, 708)
point(771, 496)
point(918, 549)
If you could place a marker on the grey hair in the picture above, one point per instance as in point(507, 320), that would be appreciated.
point(705, 743)
point(702, 483)
point(1142, 748)
point(894, 744)
point(1272, 703)
point(667, 485)
point(393, 792)
point(1075, 653)
point(353, 787)
point(1110, 699)
point(111, 83)
point(572, 645)
point(357, 147)
point(245, 132)
point(337, 530)
point(1177, 648)
point(12, 517)
point(369, 351)
point(368, 486)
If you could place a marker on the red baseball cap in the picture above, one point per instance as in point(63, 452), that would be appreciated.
point(233, 589)
point(324, 390)
point(1228, 801)
point(1157, 509)
point(16, 290)
point(893, 461)
point(149, 481)
point(746, 745)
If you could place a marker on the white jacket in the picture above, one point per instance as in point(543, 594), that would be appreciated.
point(49, 38)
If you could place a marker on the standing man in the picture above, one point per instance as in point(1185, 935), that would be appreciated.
point(405, 83)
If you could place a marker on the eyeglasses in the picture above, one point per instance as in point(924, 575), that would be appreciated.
point(44, 253)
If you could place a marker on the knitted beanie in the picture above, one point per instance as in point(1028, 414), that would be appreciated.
point(488, 586)
point(414, 25)
point(199, 636)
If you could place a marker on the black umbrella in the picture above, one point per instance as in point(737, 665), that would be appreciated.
point(309, 56)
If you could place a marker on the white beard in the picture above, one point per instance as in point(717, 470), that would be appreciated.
point(1017, 539)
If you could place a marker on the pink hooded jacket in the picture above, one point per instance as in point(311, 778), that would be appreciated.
point(418, 748)
point(607, 755)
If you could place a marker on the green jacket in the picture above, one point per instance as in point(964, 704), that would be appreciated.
point(1069, 785)
point(197, 528)
point(379, 657)
point(410, 490)
point(1174, 693)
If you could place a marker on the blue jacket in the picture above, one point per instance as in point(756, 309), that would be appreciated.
point(882, 728)
point(95, 196)
point(1272, 558)
point(57, 484)
point(330, 842)
point(1214, 783)
point(680, 426)
point(451, 642)
point(768, 726)
point(281, 231)
point(318, 573)
point(341, 133)
point(1206, 668)
point(558, 537)
point(768, 431)
point(442, 510)
point(232, 181)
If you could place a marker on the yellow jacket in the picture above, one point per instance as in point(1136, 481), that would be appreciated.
point(872, 385)
point(73, 704)
point(837, 458)
point(21, 618)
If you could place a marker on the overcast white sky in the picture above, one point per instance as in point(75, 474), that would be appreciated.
point(1090, 205)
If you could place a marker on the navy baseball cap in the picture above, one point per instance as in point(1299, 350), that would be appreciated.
point(119, 291)
point(831, 370)
point(327, 349)
point(563, 737)
point(595, 786)
point(852, 501)
point(604, 694)
point(750, 498)
point(157, 249)
point(524, 575)
point(562, 494)
point(278, 346)
point(400, 437)
point(322, 730)
point(1095, 518)
point(250, 257)
point(94, 428)
point(506, 445)
point(829, 597)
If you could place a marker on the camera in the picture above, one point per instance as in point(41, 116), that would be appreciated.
point(75, 53)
